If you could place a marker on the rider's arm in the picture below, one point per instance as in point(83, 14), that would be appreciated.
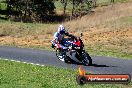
point(55, 42)
point(70, 35)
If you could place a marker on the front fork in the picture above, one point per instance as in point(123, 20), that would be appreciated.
point(79, 55)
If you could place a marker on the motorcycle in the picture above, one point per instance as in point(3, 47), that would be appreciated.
point(74, 46)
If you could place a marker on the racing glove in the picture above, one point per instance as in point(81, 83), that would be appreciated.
point(74, 37)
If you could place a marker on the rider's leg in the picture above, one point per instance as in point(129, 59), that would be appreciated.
point(62, 52)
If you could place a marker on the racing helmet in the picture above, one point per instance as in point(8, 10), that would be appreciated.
point(61, 29)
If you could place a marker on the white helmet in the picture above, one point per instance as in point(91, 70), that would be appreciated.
point(61, 29)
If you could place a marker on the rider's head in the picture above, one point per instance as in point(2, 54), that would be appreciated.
point(61, 29)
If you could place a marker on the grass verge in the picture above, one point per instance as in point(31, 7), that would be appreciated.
point(20, 75)
point(38, 36)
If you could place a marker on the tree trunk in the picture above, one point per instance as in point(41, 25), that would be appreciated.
point(65, 4)
point(112, 1)
point(73, 3)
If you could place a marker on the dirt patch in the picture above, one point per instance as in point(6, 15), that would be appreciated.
point(25, 41)
point(117, 39)
point(96, 35)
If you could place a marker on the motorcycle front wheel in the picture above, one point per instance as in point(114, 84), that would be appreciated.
point(86, 59)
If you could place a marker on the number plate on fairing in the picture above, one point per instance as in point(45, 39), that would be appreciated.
point(77, 47)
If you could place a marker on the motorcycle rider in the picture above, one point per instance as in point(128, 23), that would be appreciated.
point(59, 40)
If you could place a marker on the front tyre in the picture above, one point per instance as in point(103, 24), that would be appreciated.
point(87, 61)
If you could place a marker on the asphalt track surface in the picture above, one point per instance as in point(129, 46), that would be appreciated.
point(103, 65)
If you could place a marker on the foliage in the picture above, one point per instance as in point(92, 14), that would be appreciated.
point(79, 7)
point(82, 7)
point(43, 10)
point(30, 9)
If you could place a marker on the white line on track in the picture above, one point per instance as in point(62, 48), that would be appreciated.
point(21, 62)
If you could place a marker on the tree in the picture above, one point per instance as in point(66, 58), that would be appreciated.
point(112, 1)
point(81, 7)
point(64, 2)
point(39, 8)
point(43, 8)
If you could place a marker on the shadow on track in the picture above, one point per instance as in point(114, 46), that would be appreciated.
point(93, 65)
point(97, 65)
point(74, 62)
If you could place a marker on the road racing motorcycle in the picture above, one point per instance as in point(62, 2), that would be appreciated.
point(75, 46)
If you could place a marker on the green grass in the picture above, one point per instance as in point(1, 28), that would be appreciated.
point(122, 22)
point(103, 2)
point(122, 1)
point(125, 20)
point(109, 53)
point(59, 6)
point(20, 75)
point(107, 2)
